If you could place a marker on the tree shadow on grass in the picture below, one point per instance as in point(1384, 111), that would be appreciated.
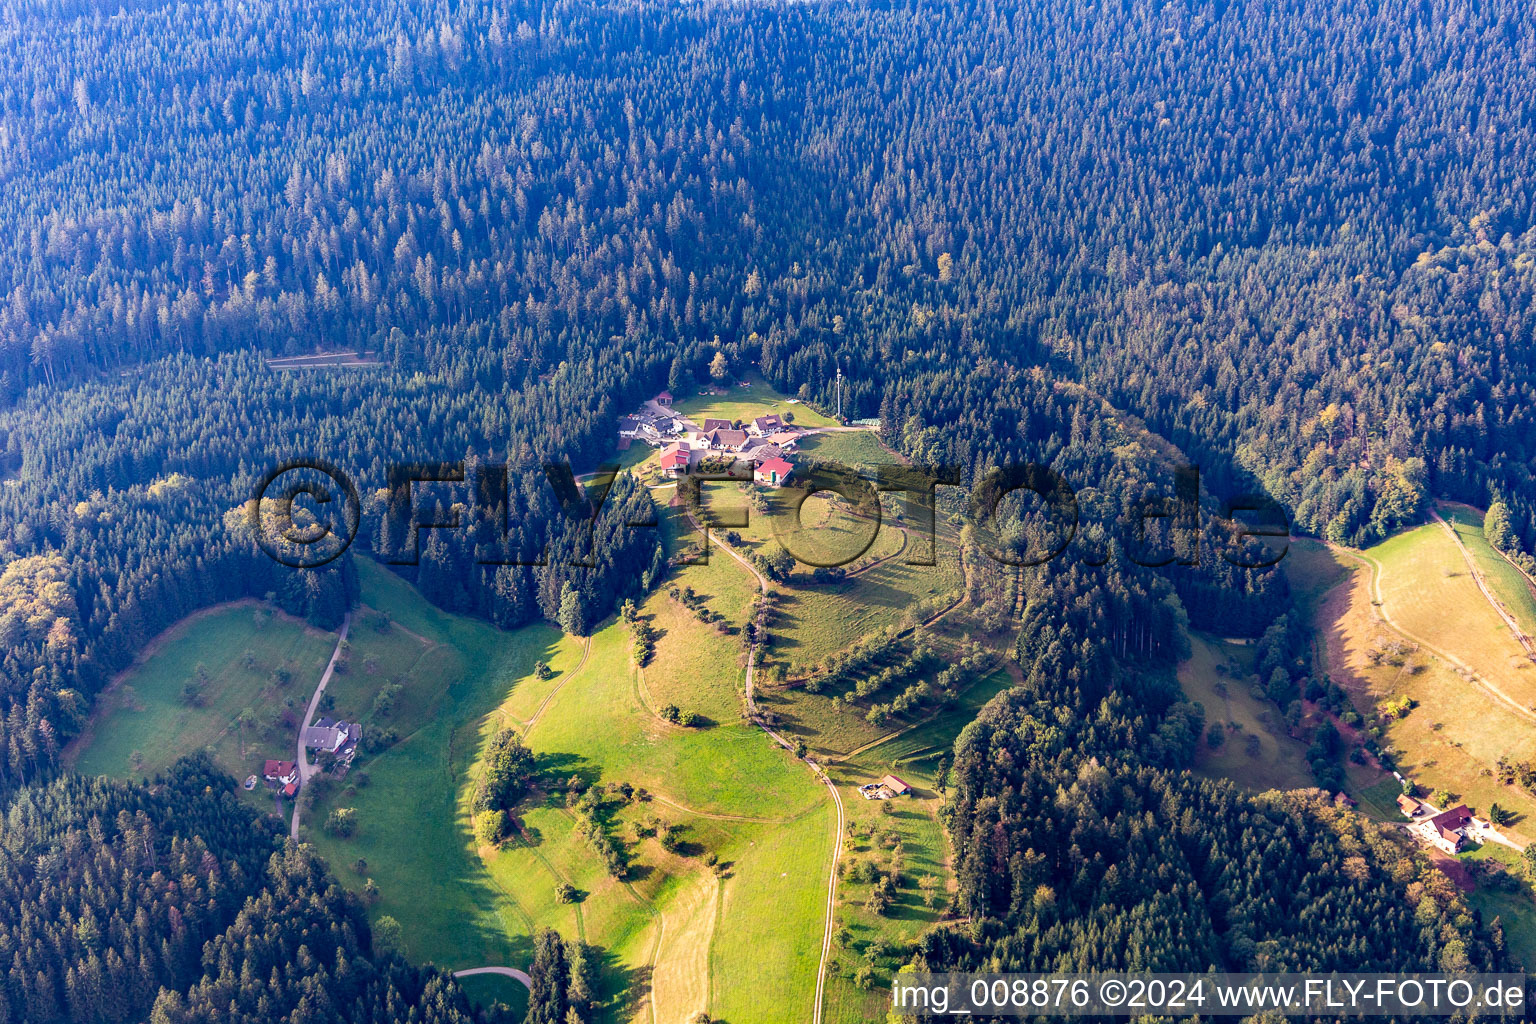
point(623, 988)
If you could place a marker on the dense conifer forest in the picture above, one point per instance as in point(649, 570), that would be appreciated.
point(172, 901)
point(1296, 242)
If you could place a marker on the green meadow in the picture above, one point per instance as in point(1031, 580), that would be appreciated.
point(733, 402)
point(1507, 582)
point(252, 659)
point(1255, 749)
point(727, 922)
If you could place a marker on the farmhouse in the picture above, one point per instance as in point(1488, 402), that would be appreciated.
point(711, 425)
point(887, 788)
point(731, 440)
point(762, 453)
point(675, 459)
point(332, 736)
point(774, 472)
point(1409, 806)
point(1447, 830)
point(282, 772)
point(765, 425)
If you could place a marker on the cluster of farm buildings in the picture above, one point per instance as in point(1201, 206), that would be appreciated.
point(1446, 831)
point(327, 737)
point(764, 442)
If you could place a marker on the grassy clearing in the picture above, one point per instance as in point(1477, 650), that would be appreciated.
point(597, 725)
point(413, 832)
point(467, 906)
point(1507, 582)
point(1425, 586)
point(1257, 751)
point(695, 667)
point(906, 831)
point(853, 448)
point(1503, 894)
point(767, 944)
point(746, 403)
point(485, 989)
point(143, 724)
point(1456, 731)
point(1313, 569)
point(811, 622)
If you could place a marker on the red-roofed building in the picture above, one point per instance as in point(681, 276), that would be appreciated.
point(773, 472)
point(675, 459)
point(1446, 830)
point(285, 772)
point(664, 399)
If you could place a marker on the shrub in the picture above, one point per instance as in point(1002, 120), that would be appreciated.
point(342, 822)
point(508, 772)
point(491, 827)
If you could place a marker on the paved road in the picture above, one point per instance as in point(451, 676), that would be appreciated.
point(837, 800)
point(505, 972)
point(307, 770)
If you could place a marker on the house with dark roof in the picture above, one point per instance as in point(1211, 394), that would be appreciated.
point(730, 440)
point(761, 453)
point(333, 737)
point(769, 424)
point(1446, 831)
point(713, 425)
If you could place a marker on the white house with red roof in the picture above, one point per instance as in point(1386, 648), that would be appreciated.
point(675, 459)
point(773, 472)
point(283, 773)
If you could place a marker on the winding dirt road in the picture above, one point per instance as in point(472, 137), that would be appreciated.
point(539, 712)
point(1466, 671)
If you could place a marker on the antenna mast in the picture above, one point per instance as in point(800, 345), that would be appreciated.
point(839, 394)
